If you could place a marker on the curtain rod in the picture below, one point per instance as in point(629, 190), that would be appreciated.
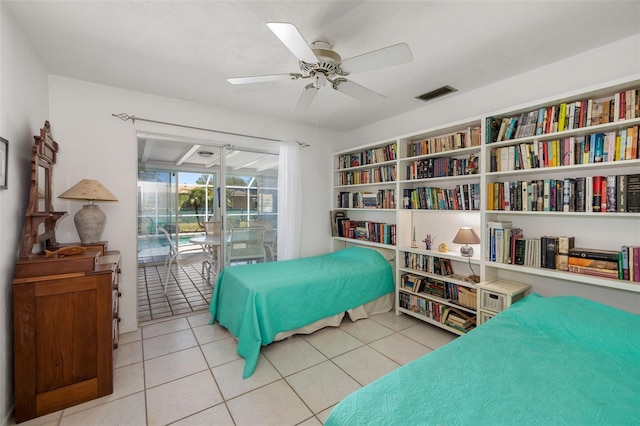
point(125, 117)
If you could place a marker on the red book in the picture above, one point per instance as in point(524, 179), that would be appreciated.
point(622, 112)
point(603, 195)
point(636, 263)
point(596, 202)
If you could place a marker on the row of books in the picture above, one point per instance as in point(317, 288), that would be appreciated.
point(383, 233)
point(459, 140)
point(463, 197)
point(428, 263)
point(606, 194)
point(368, 156)
point(381, 199)
point(375, 175)
point(508, 245)
point(439, 312)
point(430, 285)
point(623, 105)
point(442, 167)
point(588, 149)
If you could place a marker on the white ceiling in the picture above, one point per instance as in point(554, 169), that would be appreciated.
point(187, 49)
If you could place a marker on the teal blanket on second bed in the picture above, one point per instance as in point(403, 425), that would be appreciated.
point(544, 361)
point(255, 302)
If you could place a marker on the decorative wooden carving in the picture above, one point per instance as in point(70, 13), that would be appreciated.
point(41, 218)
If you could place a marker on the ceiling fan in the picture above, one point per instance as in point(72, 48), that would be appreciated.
point(321, 64)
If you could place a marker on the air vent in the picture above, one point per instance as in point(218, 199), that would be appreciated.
point(441, 91)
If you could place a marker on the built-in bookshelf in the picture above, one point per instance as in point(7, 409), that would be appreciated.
point(561, 173)
point(432, 288)
point(548, 169)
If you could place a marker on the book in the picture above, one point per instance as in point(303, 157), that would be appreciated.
point(621, 193)
point(335, 215)
point(611, 194)
point(598, 272)
point(596, 201)
point(564, 244)
point(551, 252)
point(624, 262)
point(597, 254)
point(594, 263)
point(633, 193)
point(493, 129)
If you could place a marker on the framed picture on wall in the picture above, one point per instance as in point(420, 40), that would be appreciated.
point(4, 160)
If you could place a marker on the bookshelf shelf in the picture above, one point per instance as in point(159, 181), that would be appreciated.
point(445, 255)
point(603, 230)
point(570, 169)
point(581, 131)
point(447, 179)
point(389, 184)
point(569, 276)
point(367, 166)
point(606, 215)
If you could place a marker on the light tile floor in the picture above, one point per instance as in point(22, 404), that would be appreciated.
point(183, 371)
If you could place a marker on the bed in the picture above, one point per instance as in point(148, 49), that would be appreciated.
point(557, 360)
point(263, 302)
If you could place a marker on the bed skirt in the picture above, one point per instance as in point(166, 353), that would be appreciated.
point(378, 306)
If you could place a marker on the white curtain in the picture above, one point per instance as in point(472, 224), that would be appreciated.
point(289, 201)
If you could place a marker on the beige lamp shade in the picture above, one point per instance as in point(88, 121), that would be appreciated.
point(90, 220)
point(466, 236)
point(88, 189)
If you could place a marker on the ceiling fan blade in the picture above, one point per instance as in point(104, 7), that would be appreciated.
point(358, 92)
point(385, 57)
point(260, 78)
point(306, 98)
point(291, 37)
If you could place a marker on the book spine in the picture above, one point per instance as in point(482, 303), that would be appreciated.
point(594, 254)
point(598, 272)
point(624, 263)
point(636, 264)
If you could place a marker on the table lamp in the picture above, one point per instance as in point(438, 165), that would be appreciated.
point(466, 235)
point(90, 220)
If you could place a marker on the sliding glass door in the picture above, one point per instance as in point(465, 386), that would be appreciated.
point(251, 200)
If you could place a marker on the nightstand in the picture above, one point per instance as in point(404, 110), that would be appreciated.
point(496, 296)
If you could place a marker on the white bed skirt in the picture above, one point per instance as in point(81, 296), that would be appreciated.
point(377, 306)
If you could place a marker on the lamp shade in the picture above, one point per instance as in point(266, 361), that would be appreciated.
point(466, 236)
point(90, 220)
point(88, 189)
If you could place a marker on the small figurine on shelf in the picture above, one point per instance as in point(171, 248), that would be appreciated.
point(428, 241)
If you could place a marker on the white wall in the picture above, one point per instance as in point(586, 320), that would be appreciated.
point(95, 145)
point(24, 107)
point(609, 62)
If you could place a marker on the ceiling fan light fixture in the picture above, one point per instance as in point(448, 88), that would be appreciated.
point(441, 91)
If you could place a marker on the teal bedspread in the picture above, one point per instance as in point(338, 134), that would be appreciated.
point(257, 301)
point(546, 361)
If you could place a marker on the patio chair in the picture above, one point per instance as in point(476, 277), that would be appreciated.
point(214, 229)
point(173, 255)
point(269, 237)
point(246, 244)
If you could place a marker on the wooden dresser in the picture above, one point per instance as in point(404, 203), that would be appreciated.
point(65, 330)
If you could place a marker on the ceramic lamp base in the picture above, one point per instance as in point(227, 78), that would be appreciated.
point(466, 251)
point(90, 222)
